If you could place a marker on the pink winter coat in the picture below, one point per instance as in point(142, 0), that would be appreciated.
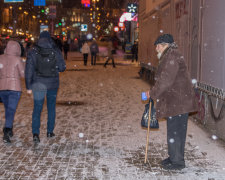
point(11, 67)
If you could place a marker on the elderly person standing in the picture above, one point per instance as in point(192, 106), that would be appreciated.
point(11, 72)
point(174, 97)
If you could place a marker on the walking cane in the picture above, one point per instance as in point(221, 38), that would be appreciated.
point(149, 118)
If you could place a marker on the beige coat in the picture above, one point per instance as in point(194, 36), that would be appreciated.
point(11, 67)
point(173, 90)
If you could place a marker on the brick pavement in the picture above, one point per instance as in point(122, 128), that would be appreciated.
point(113, 145)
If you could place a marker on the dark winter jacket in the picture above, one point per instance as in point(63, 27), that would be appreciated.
point(173, 90)
point(94, 48)
point(35, 82)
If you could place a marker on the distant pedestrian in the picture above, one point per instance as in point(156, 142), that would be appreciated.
point(85, 51)
point(111, 52)
point(174, 97)
point(134, 51)
point(44, 62)
point(94, 50)
point(11, 72)
point(1, 47)
point(66, 48)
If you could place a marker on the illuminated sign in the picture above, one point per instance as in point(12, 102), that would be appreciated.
point(126, 17)
point(83, 27)
point(39, 3)
point(132, 8)
point(10, 1)
point(43, 28)
point(86, 3)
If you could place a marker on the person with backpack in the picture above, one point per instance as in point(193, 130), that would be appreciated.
point(94, 50)
point(44, 62)
point(11, 72)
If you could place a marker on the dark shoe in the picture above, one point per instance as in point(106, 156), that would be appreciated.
point(49, 135)
point(11, 132)
point(173, 167)
point(166, 161)
point(36, 138)
point(6, 136)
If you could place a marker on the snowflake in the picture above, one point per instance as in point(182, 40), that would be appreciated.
point(193, 81)
point(171, 140)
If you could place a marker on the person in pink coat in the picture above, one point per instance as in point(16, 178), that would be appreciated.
point(11, 72)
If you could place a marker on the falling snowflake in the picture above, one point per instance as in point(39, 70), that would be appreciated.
point(153, 17)
point(172, 62)
point(171, 140)
point(211, 71)
point(75, 65)
point(81, 135)
point(1, 66)
point(205, 44)
point(101, 84)
point(174, 132)
point(214, 137)
point(149, 64)
point(193, 81)
point(161, 31)
point(157, 100)
point(170, 117)
point(87, 141)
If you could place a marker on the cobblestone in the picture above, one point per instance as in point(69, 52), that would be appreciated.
point(105, 105)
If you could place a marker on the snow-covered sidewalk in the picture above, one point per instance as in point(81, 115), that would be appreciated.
point(104, 105)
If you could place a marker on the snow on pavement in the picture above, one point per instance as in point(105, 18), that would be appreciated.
point(98, 133)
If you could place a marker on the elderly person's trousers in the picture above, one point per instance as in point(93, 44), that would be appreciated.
point(176, 137)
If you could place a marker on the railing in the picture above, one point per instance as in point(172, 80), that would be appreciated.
point(213, 91)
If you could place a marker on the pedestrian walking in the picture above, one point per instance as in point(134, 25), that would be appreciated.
point(44, 62)
point(134, 51)
point(11, 72)
point(175, 98)
point(94, 50)
point(1, 47)
point(85, 51)
point(66, 48)
point(111, 51)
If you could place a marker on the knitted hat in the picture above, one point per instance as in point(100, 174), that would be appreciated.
point(45, 34)
point(165, 38)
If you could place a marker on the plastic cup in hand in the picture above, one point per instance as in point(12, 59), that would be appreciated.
point(144, 96)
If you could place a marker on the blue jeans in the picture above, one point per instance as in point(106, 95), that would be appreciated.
point(10, 100)
point(39, 97)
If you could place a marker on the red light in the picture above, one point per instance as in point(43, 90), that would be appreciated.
point(58, 37)
point(7, 37)
point(75, 39)
point(116, 29)
point(26, 39)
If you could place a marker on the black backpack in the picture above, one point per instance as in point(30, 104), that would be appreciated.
point(46, 62)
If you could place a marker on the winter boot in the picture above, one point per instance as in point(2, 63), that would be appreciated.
point(6, 137)
point(36, 138)
point(11, 132)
